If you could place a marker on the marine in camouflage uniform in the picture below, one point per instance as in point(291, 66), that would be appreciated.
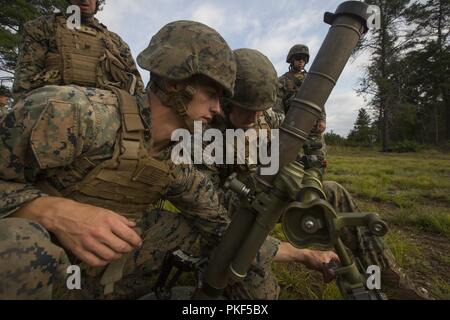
point(5, 95)
point(289, 85)
point(250, 107)
point(98, 148)
point(254, 95)
point(91, 56)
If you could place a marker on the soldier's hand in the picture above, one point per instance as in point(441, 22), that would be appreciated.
point(95, 235)
point(312, 259)
point(321, 126)
point(319, 260)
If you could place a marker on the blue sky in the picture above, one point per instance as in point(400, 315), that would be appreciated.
point(269, 26)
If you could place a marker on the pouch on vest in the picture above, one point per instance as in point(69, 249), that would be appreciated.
point(86, 58)
point(80, 52)
point(113, 72)
point(131, 176)
point(53, 138)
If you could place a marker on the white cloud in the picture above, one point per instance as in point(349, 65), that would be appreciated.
point(342, 110)
point(210, 15)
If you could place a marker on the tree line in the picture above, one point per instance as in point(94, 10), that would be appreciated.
point(406, 82)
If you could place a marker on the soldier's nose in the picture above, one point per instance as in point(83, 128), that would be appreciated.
point(215, 108)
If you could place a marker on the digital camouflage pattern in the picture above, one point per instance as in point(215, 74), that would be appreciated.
point(255, 89)
point(297, 49)
point(3, 111)
point(5, 94)
point(394, 279)
point(35, 267)
point(36, 148)
point(288, 86)
point(174, 55)
point(256, 78)
point(95, 133)
point(260, 283)
point(39, 42)
point(291, 81)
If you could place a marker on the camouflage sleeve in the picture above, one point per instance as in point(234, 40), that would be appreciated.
point(197, 198)
point(274, 118)
point(213, 172)
point(3, 112)
point(318, 136)
point(14, 195)
point(285, 93)
point(128, 59)
point(15, 132)
point(281, 93)
point(30, 73)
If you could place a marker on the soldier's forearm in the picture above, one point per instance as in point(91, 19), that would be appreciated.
point(41, 210)
point(287, 253)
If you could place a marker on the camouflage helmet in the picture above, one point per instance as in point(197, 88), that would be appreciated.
point(256, 81)
point(182, 49)
point(4, 91)
point(297, 49)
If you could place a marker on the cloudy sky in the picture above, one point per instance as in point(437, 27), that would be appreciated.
point(266, 25)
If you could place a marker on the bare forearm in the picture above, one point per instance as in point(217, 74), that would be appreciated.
point(43, 210)
point(288, 253)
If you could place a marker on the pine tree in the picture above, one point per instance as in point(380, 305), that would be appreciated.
point(379, 82)
point(431, 27)
point(362, 133)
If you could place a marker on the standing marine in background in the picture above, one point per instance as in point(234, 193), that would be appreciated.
point(5, 95)
point(89, 56)
point(289, 85)
point(291, 81)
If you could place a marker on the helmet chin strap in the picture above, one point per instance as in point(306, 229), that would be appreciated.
point(177, 100)
point(292, 67)
point(87, 17)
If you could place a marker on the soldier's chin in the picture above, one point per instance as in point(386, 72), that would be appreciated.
point(86, 14)
point(248, 125)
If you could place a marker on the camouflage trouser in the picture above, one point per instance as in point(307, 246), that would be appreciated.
point(260, 283)
point(393, 278)
point(339, 197)
point(33, 266)
point(30, 264)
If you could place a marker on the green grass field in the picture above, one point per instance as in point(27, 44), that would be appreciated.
point(411, 191)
